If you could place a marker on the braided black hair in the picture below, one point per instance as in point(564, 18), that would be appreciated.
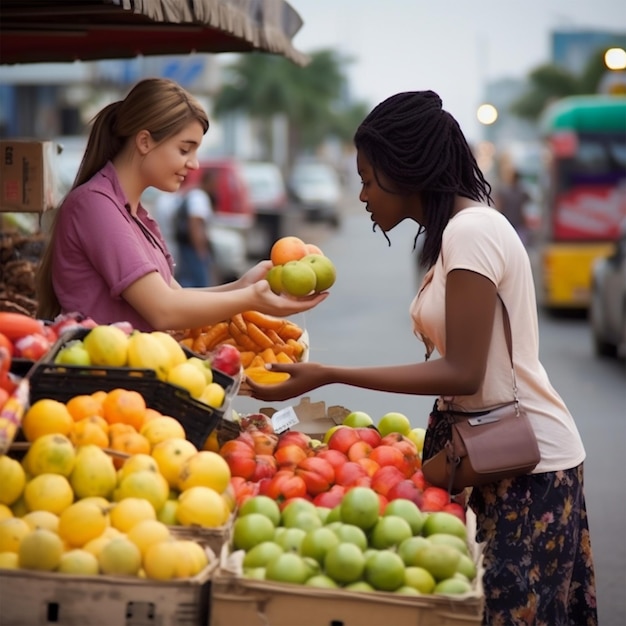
point(419, 147)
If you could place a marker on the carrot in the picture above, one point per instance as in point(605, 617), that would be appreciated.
point(242, 339)
point(246, 358)
point(239, 322)
point(268, 356)
point(290, 331)
point(258, 336)
point(282, 357)
point(262, 320)
point(17, 325)
point(216, 334)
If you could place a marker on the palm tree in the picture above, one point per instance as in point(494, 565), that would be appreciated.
point(551, 82)
point(312, 98)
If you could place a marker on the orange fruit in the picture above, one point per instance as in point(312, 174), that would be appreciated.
point(286, 249)
point(124, 406)
point(84, 406)
point(46, 416)
point(90, 430)
point(119, 429)
point(151, 414)
point(212, 444)
point(99, 395)
point(129, 443)
point(313, 249)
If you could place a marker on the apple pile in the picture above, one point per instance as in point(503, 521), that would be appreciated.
point(359, 545)
point(292, 465)
point(299, 268)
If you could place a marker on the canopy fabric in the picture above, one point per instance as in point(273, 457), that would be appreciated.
point(36, 31)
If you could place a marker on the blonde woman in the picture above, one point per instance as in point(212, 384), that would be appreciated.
point(106, 257)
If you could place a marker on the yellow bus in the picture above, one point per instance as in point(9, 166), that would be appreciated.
point(583, 194)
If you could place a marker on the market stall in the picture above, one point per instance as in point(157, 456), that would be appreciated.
point(133, 492)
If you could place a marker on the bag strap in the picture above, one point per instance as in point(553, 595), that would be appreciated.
point(509, 345)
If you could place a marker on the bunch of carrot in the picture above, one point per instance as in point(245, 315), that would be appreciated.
point(259, 338)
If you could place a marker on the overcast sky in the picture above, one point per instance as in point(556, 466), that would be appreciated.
point(451, 46)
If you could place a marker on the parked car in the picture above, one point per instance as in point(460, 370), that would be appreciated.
point(607, 310)
point(317, 189)
point(268, 195)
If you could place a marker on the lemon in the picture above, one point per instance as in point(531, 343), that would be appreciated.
point(213, 394)
point(42, 519)
point(12, 479)
point(148, 532)
point(193, 555)
point(95, 545)
point(204, 366)
point(9, 560)
point(5, 512)
point(79, 562)
point(170, 455)
point(174, 349)
point(12, 531)
point(151, 486)
point(136, 463)
point(48, 492)
point(205, 468)
point(159, 562)
point(189, 377)
point(51, 454)
point(120, 556)
point(161, 428)
point(81, 522)
point(130, 511)
point(107, 345)
point(40, 549)
point(202, 506)
point(94, 473)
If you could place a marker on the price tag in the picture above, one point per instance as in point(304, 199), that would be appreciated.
point(284, 419)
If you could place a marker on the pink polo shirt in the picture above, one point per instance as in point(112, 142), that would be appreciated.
point(100, 250)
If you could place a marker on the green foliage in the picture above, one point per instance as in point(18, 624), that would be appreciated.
point(312, 97)
point(550, 82)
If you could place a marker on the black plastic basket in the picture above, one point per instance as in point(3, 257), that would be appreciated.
point(62, 382)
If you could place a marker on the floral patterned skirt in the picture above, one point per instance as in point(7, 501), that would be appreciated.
point(537, 557)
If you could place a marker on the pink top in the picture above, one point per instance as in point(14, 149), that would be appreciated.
point(100, 250)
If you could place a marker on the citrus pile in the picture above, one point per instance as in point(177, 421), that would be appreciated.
point(71, 506)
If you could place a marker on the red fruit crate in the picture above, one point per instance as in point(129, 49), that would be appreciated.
point(62, 382)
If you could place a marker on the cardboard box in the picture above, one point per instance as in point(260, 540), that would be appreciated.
point(249, 602)
point(28, 176)
point(313, 418)
point(29, 598)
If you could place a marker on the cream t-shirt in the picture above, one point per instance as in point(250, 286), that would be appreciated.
point(482, 240)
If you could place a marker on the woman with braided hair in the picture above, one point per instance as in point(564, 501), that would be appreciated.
point(415, 163)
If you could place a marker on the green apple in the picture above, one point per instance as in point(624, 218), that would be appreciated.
point(273, 277)
point(394, 422)
point(356, 419)
point(324, 270)
point(298, 278)
point(73, 353)
point(416, 435)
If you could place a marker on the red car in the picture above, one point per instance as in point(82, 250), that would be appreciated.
point(231, 198)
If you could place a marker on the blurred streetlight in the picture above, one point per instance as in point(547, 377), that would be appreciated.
point(614, 80)
point(615, 58)
point(487, 114)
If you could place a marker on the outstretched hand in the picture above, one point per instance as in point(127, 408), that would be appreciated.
point(283, 305)
point(303, 377)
